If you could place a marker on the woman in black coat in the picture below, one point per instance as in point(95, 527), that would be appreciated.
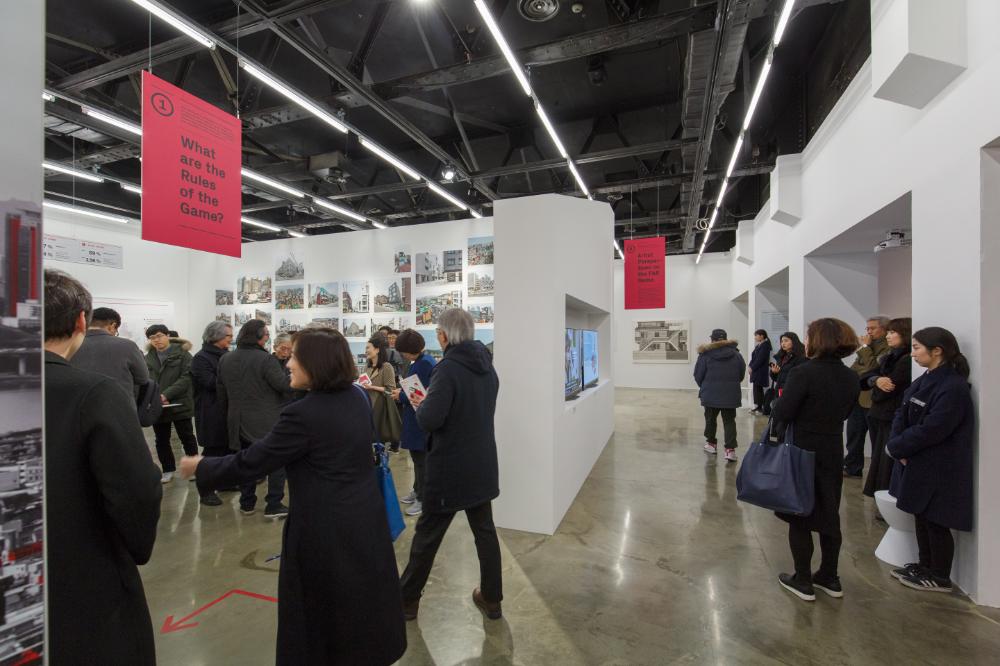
point(931, 441)
point(760, 377)
point(818, 398)
point(209, 416)
point(887, 384)
point(338, 588)
point(791, 355)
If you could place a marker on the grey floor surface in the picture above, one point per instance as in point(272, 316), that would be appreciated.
point(655, 563)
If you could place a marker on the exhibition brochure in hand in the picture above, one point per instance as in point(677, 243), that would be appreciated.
point(365, 380)
point(412, 386)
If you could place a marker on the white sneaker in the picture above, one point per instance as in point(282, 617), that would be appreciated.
point(730, 455)
point(167, 477)
point(409, 499)
point(415, 509)
point(711, 449)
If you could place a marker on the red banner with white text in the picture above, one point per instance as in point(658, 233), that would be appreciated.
point(191, 194)
point(645, 274)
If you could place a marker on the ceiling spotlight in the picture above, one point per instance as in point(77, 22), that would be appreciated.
point(448, 174)
point(538, 10)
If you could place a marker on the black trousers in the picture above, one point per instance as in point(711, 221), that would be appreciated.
point(936, 546)
point(275, 487)
point(185, 432)
point(857, 428)
point(728, 425)
point(431, 528)
point(758, 396)
point(800, 540)
point(418, 458)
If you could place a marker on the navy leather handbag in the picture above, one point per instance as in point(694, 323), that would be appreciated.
point(778, 475)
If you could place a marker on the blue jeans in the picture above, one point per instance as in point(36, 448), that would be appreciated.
point(275, 487)
point(857, 428)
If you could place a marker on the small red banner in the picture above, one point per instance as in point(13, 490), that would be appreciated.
point(645, 274)
point(191, 194)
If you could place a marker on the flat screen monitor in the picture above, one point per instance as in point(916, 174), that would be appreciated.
point(574, 362)
point(590, 364)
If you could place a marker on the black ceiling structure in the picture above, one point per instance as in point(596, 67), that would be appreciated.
point(647, 95)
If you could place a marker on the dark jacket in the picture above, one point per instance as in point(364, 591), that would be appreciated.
point(760, 359)
point(786, 363)
point(896, 366)
point(338, 587)
point(111, 356)
point(103, 494)
point(415, 439)
point(867, 360)
point(818, 397)
point(719, 372)
point(174, 378)
point(209, 417)
point(461, 465)
point(252, 389)
point(933, 432)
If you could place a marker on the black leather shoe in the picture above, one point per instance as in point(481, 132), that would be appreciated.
point(804, 591)
point(211, 500)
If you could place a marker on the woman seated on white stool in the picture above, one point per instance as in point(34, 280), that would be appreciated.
point(931, 442)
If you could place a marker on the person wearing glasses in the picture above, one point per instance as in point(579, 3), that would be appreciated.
point(169, 363)
point(871, 347)
point(107, 354)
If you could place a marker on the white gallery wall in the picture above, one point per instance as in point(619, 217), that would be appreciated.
point(699, 294)
point(869, 153)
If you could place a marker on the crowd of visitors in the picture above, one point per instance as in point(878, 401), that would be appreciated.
point(302, 413)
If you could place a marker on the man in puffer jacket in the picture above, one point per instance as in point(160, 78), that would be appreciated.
point(168, 359)
point(719, 373)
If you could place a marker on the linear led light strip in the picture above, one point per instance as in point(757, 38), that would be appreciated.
point(271, 227)
point(515, 66)
point(293, 95)
point(70, 171)
point(177, 22)
point(89, 212)
point(779, 31)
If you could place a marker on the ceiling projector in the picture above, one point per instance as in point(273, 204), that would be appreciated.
point(894, 238)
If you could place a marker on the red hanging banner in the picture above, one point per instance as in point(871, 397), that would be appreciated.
point(645, 274)
point(191, 156)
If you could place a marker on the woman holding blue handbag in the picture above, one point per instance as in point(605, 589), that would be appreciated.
point(818, 397)
point(338, 588)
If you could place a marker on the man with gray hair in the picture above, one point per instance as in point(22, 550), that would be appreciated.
point(872, 346)
point(209, 417)
point(461, 471)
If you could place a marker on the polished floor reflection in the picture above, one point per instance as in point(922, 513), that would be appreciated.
point(655, 563)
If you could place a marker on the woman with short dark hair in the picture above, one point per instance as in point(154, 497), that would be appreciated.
point(817, 398)
point(888, 384)
point(931, 441)
point(338, 589)
point(410, 344)
point(760, 378)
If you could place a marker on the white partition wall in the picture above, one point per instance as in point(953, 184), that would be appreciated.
point(558, 275)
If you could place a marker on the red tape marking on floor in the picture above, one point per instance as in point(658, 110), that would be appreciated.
point(170, 625)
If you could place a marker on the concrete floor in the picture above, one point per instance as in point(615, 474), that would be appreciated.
point(655, 563)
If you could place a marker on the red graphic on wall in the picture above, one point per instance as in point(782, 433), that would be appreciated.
point(645, 274)
point(169, 625)
point(191, 195)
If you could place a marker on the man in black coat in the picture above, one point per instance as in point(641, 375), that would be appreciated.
point(209, 418)
point(719, 372)
point(102, 496)
point(461, 471)
point(252, 390)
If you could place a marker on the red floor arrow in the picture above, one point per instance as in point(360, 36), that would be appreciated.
point(169, 625)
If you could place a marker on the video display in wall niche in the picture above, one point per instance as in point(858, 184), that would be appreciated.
point(661, 341)
point(430, 307)
point(392, 295)
point(402, 262)
point(324, 295)
point(480, 282)
point(481, 251)
point(253, 289)
point(437, 268)
point(223, 297)
point(291, 297)
point(355, 328)
point(326, 322)
point(574, 363)
point(354, 298)
point(289, 268)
